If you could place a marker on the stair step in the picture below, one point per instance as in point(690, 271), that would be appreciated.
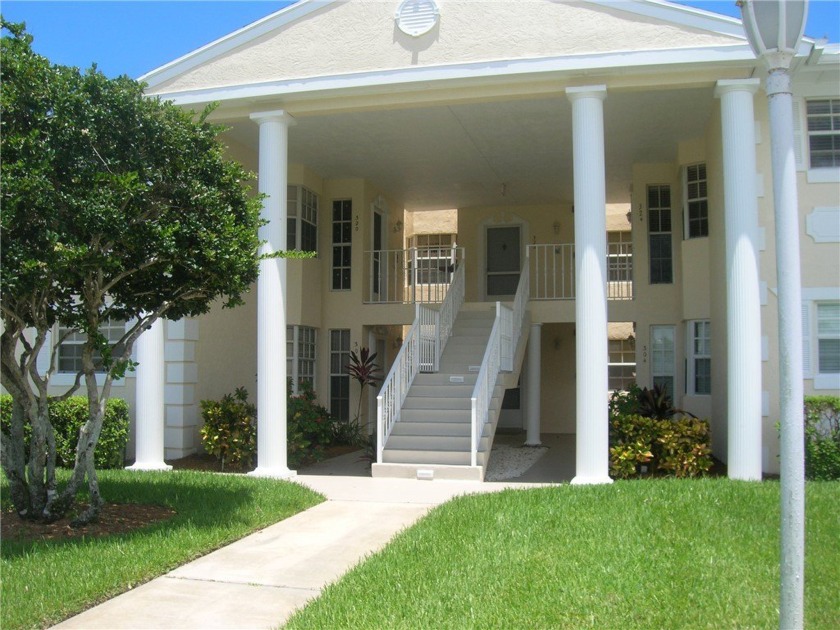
point(444, 378)
point(443, 443)
point(447, 390)
point(436, 415)
point(452, 458)
point(439, 429)
point(427, 403)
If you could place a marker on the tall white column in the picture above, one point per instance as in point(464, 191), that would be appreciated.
point(271, 297)
point(592, 444)
point(743, 302)
point(532, 437)
point(149, 405)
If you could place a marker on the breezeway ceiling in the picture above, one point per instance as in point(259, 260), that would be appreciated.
point(461, 155)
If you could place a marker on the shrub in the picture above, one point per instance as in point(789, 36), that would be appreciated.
point(67, 417)
point(230, 429)
point(822, 437)
point(310, 427)
point(673, 447)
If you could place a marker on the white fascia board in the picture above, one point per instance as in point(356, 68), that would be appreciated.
point(626, 60)
point(234, 40)
point(678, 14)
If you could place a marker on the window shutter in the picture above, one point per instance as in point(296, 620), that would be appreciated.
point(43, 361)
point(806, 339)
point(800, 135)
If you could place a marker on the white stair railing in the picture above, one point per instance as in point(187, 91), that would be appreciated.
point(392, 395)
point(420, 352)
point(485, 384)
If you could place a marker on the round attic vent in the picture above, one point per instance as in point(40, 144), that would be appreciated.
point(417, 17)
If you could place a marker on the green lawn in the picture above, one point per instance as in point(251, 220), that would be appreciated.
point(636, 554)
point(45, 582)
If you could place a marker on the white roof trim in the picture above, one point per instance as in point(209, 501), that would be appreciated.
point(238, 38)
point(678, 14)
point(470, 71)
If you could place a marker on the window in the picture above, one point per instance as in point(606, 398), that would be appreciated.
point(339, 378)
point(662, 357)
point(302, 221)
point(70, 351)
point(434, 258)
point(342, 234)
point(696, 201)
point(659, 234)
point(619, 257)
point(699, 376)
point(823, 118)
point(622, 363)
point(300, 356)
point(828, 337)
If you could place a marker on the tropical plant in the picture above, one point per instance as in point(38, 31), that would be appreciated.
point(363, 369)
point(229, 431)
point(822, 437)
point(657, 403)
point(115, 206)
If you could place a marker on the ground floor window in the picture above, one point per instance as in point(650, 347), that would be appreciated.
point(662, 357)
point(622, 363)
point(300, 356)
point(699, 376)
point(828, 337)
point(70, 350)
point(339, 378)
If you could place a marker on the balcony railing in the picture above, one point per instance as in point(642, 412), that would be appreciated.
point(552, 270)
point(419, 275)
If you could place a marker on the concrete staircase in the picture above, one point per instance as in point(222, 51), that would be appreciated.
point(432, 438)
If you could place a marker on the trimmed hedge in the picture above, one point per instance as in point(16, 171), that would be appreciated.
point(67, 418)
point(822, 437)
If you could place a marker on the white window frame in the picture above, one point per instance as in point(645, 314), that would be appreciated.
point(434, 255)
point(695, 197)
point(342, 356)
point(834, 132)
point(812, 297)
point(666, 369)
point(301, 207)
point(699, 349)
point(802, 143)
point(622, 358)
point(301, 356)
point(66, 378)
point(341, 245)
point(657, 230)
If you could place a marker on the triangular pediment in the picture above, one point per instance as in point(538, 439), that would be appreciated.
point(313, 39)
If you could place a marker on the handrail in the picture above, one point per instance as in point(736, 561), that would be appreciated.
point(392, 395)
point(485, 384)
point(449, 309)
point(411, 276)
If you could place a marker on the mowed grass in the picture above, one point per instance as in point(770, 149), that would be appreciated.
point(635, 554)
point(47, 581)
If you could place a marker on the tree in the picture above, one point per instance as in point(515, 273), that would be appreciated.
point(115, 205)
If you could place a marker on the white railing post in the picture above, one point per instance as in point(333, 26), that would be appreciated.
point(414, 275)
point(380, 416)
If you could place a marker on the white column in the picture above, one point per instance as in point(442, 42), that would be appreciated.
point(532, 382)
point(592, 443)
point(149, 405)
point(271, 297)
point(743, 302)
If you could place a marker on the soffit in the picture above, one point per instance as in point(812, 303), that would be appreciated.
point(461, 155)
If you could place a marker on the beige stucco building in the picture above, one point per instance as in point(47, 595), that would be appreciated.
point(418, 144)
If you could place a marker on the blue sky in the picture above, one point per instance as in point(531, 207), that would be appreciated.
point(135, 37)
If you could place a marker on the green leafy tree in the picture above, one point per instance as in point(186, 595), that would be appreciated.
point(115, 205)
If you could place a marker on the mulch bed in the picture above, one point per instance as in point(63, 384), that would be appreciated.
point(114, 518)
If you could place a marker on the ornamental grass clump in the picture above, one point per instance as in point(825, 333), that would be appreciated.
point(645, 436)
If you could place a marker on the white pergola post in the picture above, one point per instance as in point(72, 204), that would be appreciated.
point(743, 303)
point(592, 444)
point(532, 437)
point(271, 297)
point(149, 405)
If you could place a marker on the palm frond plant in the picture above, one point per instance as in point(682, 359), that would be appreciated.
point(363, 368)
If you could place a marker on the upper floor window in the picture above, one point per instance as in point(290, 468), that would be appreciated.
point(342, 239)
point(70, 350)
point(824, 132)
point(434, 256)
point(659, 235)
point(302, 221)
point(696, 201)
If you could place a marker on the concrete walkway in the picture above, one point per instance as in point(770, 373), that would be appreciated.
point(260, 580)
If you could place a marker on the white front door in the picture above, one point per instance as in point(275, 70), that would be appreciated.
point(503, 261)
